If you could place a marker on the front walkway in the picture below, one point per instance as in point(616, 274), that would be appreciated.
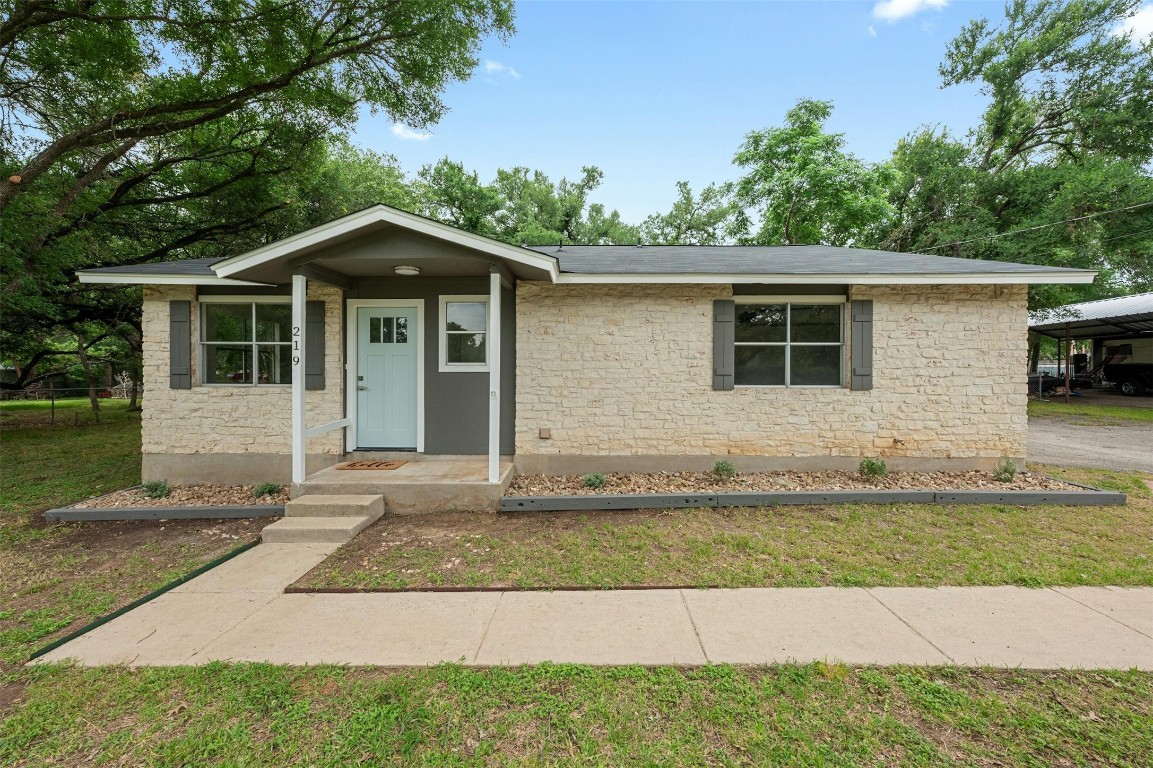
point(238, 612)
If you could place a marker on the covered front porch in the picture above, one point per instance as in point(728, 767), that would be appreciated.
point(426, 365)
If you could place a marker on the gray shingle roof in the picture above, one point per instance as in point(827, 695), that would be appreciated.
point(198, 267)
point(771, 260)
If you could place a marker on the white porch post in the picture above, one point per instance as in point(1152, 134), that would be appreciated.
point(299, 295)
point(494, 376)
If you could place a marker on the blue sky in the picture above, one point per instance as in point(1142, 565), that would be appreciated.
point(657, 92)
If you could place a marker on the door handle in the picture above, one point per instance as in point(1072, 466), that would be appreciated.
point(361, 388)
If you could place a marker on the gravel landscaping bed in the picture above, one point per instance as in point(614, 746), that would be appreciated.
point(187, 496)
point(698, 482)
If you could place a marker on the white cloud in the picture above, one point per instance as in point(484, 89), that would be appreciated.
point(1139, 25)
point(872, 31)
point(894, 10)
point(496, 68)
point(404, 133)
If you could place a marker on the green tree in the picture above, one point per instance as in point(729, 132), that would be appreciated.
point(1057, 172)
point(707, 219)
point(144, 130)
point(805, 188)
point(449, 193)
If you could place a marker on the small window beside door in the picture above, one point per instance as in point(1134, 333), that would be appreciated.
point(464, 327)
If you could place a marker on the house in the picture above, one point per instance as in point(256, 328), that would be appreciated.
point(384, 331)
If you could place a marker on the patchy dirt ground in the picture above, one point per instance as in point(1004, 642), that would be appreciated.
point(682, 482)
point(187, 496)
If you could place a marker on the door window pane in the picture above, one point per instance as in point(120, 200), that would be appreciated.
point(402, 330)
point(228, 364)
point(761, 323)
point(813, 324)
point(228, 322)
point(465, 348)
point(760, 366)
point(815, 366)
point(273, 322)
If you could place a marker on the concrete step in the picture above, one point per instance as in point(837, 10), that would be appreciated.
point(336, 505)
point(315, 530)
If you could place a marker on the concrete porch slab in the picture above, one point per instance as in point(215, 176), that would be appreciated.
point(413, 629)
point(602, 628)
point(804, 624)
point(1015, 626)
point(428, 485)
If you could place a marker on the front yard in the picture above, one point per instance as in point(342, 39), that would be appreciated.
point(56, 576)
point(850, 545)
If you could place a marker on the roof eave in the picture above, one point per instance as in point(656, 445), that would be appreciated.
point(377, 214)
point(122, 278)
point(989, 278)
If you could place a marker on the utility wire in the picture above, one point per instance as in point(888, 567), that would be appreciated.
point(1040, 226)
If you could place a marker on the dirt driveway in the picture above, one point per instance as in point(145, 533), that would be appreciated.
point(1055, 440)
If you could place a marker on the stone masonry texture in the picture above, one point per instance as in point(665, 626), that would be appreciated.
point(627, 370)
point(223, 419)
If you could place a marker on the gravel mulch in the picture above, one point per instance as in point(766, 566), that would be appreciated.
point(698, 482)
point(187, 496)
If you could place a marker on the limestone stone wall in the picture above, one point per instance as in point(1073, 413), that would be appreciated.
point(627, 371)
point(222, 419)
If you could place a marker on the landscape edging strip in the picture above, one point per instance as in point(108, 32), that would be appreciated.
point(769, 498)
point(147, 598)
point(97, 514)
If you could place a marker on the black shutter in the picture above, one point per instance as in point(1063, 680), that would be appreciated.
point(862, 345)
point(724, 353)
point(180, 344)
point(314, 345)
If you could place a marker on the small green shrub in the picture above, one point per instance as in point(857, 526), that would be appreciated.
point(595, 480)
point(873, 468)
point(724, 470)
point(265, 489)
point(1006, 470)
point(156, 489)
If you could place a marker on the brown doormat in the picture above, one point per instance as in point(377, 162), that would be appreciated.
point(371, 465)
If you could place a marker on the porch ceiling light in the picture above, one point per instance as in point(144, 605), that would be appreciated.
point(405, 269)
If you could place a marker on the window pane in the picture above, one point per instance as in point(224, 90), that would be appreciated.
point(228, 322)
point(275, 364)
point(273, 322)
point(760, 322)
point(815, 365)
point(465, 316)
point(760, 365)
point(464, 348)
point(374, 330)
point(228, 364)
point(820, 323)
point(386, 330)
point(402, 330)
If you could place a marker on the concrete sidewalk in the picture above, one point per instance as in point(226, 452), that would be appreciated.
point(238, 612)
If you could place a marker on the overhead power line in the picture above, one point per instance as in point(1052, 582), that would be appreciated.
point(1041, 226)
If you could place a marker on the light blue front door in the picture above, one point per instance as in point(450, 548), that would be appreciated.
point(386, 377)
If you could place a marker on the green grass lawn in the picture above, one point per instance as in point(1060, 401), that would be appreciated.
point(793, 546)
point(55, 577)
point(788, 715)
point(1088, 412)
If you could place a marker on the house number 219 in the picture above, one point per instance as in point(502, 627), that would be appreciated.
point(296, 345)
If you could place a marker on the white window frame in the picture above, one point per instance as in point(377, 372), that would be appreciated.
point(202, 345)
point(442, 334)
point(788, 301)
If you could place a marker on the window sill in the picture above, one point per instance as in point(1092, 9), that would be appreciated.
point(464, 368)
point(789, 386)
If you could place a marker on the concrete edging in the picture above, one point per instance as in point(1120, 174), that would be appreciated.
point(1090, 496)
point(72, 514)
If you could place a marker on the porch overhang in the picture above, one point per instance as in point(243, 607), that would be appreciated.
point(345, 250)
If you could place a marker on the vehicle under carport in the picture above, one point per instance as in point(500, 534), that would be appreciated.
point(1121, 332)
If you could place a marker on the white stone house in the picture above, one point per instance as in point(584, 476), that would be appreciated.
point(385, 332)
